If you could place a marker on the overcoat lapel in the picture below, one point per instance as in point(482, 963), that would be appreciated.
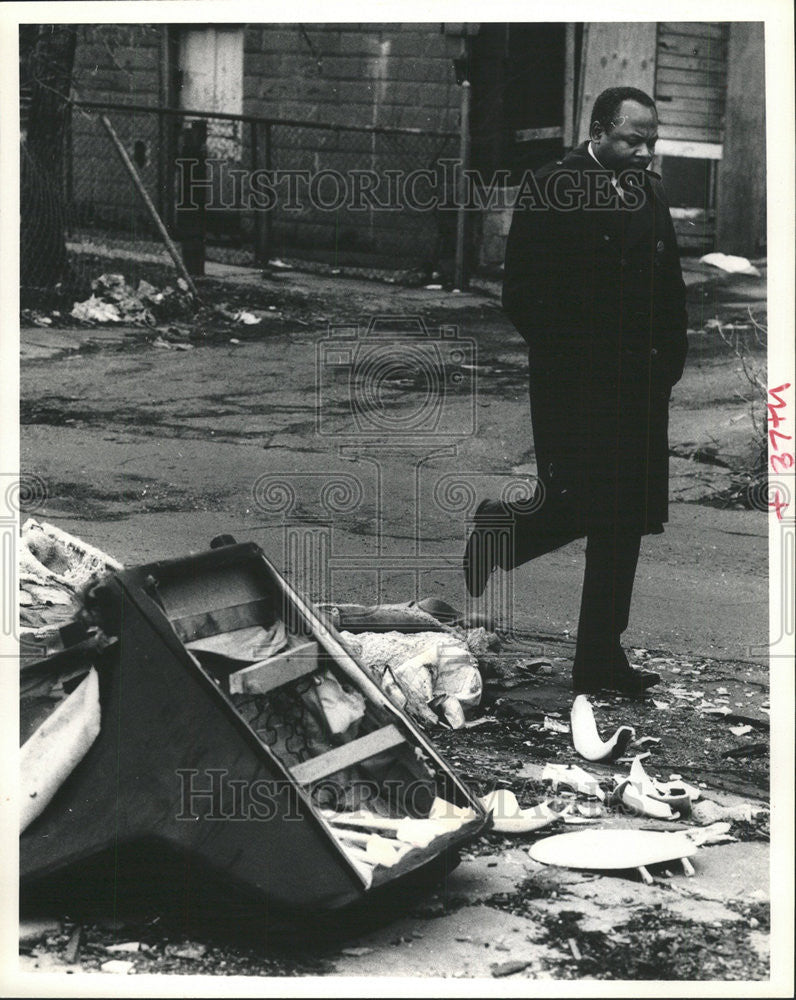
point(638, 221)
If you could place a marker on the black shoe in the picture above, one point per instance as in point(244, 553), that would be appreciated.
point(624, 680)
point(484, 551)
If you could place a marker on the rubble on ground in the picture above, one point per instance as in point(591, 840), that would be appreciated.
point(427, 669)
point(54, 569)
point(113, 300)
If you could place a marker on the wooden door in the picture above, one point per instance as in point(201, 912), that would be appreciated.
point(211, 65)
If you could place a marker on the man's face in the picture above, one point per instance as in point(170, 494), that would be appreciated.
point(630, 144)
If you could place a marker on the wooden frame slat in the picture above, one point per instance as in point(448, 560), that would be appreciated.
point(346, 755)
point(284, 667)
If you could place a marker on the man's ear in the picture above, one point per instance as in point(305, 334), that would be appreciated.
point(596, 130)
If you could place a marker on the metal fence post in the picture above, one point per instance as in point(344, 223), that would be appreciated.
point(409, 239)
point(460, 269)
point(268, 217)
point(260, 215)
point(191, 221)
point(163, 199)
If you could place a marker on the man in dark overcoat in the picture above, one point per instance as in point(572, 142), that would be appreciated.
point(593, 284)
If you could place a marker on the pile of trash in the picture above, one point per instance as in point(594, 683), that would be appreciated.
point(59, 717)
point(54, 570)
point(431, 675)
point(730, 264)
point(114, 301)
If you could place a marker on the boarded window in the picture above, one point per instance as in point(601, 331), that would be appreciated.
point(691, 80)
point(690, 92)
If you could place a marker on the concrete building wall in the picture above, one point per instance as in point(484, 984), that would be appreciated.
point(371, 75)
point(118, 64)
point(382, 75)
point(392, 75)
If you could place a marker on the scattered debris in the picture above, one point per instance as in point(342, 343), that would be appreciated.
point(629, 793)
point(449, 710)
point(730, 264)
point(414, 669)
point(660, 800)
point(54, 569)
point(500, 969)
point(508, 817)
point(573, 947)
point(589, 810)
point(356, 952)
point(586, 739)
point(114, 301)
point(125, 946)
point(740, 730)
point(94, 310)
point(572, 820)
point(190, 950)
point(646, 741)
point(32, 931)
point(708, 812)
point(36, 317)
point(613, 850)
point(716, 833)
point(751, 750)
point(710, 709)
point(573, 777)
point(118, 966)
point(73, 945)
point(426, 615)
point(484, 720)
point(555, 727)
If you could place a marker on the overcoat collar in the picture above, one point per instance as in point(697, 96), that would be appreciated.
point(628, 224)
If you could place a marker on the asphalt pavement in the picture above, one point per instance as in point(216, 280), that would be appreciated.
point(147, 450)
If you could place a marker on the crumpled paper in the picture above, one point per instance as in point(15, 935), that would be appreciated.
point(424, 666)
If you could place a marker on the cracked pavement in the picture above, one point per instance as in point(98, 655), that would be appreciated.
point(148, 453)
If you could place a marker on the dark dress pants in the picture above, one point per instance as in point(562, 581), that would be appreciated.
point(611, 561)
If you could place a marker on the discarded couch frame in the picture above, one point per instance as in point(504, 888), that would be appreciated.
point(188, 736)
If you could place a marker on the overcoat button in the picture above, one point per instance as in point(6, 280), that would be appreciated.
point(606, 236)
point(654, 352)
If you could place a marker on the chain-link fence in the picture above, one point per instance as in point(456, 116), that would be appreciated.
point(241, 190)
